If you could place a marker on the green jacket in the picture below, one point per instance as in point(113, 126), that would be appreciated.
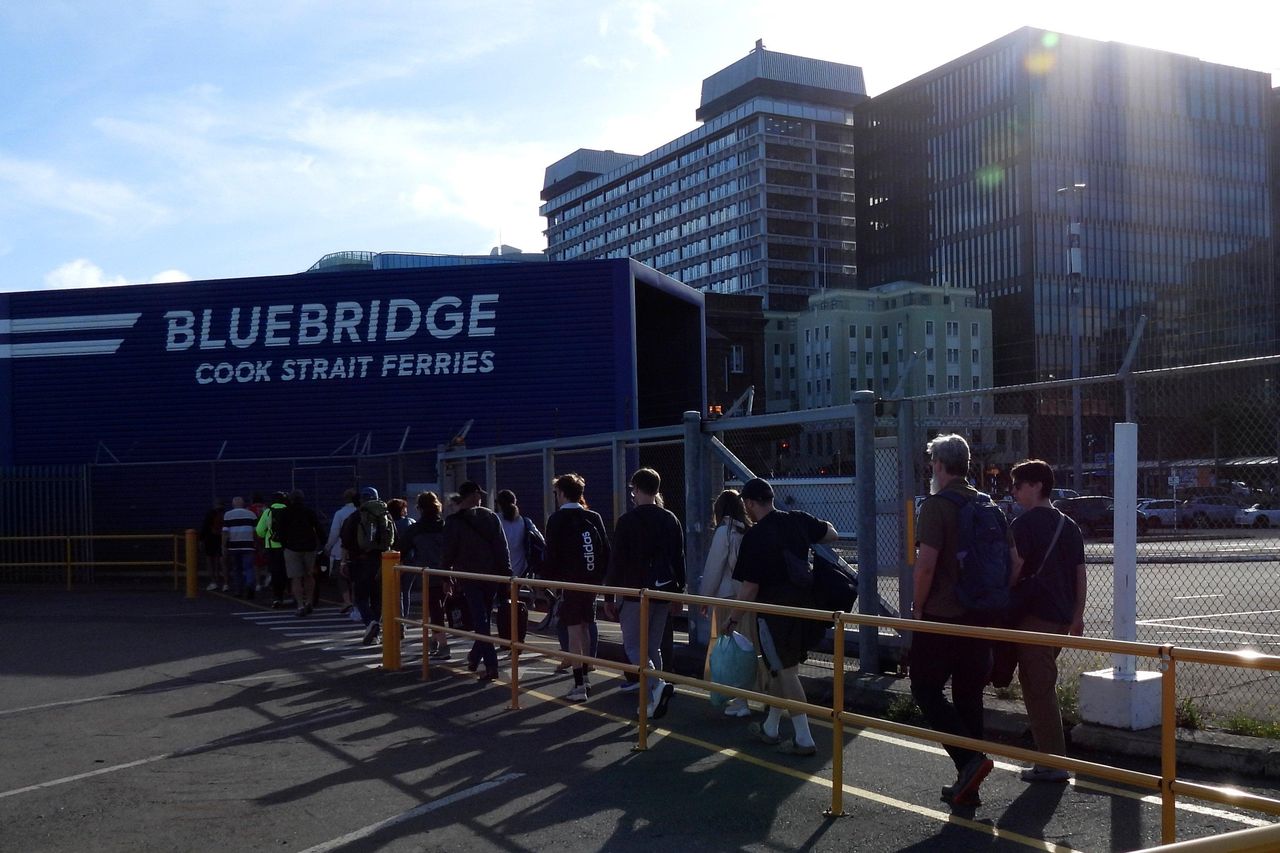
point(264, 527)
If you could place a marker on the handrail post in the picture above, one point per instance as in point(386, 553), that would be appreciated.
point(68, 541)
point(837, 724)
point(426, 617)
point(390, 612)
point(643, 692)
point(513, 613)
point(193, 562)
point(1168, 746)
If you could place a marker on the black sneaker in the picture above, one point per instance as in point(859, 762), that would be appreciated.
point(370, 634)
point(277, 604)
point(965, 791)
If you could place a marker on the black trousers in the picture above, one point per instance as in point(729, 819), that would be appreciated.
point(279, 577)
point(966, 663)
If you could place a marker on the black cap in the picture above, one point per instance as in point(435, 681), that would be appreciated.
point(757, 490)
point(469, 488)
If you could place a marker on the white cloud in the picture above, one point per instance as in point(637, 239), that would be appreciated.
point(645, 17)
point(105, 202)
point(84, 273)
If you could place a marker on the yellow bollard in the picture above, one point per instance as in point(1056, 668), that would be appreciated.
point(193, 564)
point(390, 612)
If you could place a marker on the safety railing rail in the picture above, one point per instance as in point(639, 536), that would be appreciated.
point(67, 561)
point(1166, 782)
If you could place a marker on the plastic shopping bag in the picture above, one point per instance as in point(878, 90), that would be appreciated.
point(733, 663)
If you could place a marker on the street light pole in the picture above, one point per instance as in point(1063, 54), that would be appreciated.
point(1075, 270)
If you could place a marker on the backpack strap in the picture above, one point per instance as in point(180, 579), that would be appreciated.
point(1062, 520)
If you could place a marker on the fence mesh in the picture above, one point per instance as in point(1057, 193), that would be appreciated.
point(1208, 572)
point(1208, 480)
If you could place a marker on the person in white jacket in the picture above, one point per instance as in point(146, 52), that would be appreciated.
point(717, 574)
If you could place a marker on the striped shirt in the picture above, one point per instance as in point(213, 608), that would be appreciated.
point(238, 525)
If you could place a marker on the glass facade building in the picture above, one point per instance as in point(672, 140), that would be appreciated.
point(961, 178)
point(758, 199)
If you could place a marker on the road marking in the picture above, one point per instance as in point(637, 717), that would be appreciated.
point(64, 703)
point(425, 808)
point(1190, 597)
point(1207, 616)
point(1198, 629)
point(191, 750)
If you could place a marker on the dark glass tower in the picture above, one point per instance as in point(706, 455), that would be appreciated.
point(959, 175)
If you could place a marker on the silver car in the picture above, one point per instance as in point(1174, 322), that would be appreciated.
point(1160, 512)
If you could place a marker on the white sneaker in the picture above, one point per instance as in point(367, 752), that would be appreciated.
point(661, 696)
point(737, 708)
point(226, 588)
point(578, 693)
point(629, 687)
point(213, 587)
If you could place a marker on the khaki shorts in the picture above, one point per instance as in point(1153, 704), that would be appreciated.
point(299, 564)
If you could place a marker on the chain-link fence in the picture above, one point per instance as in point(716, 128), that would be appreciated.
point(1208, 487)
point(1208, 482)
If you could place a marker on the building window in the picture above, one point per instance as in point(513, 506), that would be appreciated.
point(735, 359)
point(973, 357)
point(928, 327)
point(977, 407)
point(953, 356)
point(953, 408)
point(928, 354)
point(953, 383)
point(973, 330)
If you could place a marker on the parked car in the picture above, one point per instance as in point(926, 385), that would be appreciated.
point(1060, 494)
point(1259, 515)
point(1094, 514)
point(1160, 512)
point(1213, 510)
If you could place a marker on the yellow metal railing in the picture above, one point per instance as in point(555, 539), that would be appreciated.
point(185, 556)
point(1166, 782)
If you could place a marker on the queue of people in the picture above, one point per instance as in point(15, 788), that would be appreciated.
point(972, 568)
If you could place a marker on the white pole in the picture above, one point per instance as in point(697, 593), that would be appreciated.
point(1124, 622)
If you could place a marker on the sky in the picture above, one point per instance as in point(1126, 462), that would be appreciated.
point(173, 140)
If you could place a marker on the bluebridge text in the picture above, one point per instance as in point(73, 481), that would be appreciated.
point(345, 322)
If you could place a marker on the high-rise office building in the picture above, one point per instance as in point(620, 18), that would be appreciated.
point(972, 174)
point(757, 199)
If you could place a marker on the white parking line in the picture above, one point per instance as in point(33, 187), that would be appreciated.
point(1190, 597)
point(1207, 616)
point(425, 808)
point(231, 741)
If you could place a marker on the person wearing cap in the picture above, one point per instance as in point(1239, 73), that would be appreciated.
point(763, 576)
point(364, 567)
point(274, 549)
point(474, 542)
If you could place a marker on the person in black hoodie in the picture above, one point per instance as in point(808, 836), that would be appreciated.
point(474, 542)
point(648, 553)
point(425, 547)
point(577, 552)
point(297, 528)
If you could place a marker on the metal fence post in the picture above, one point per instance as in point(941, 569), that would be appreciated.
point(864, 454)
point(696, 505)
point(906, 501)
point(1125, 618)
point(490, 479)
point(618, 464)
point(548, 476)
point(193, 564)
point(390, 611)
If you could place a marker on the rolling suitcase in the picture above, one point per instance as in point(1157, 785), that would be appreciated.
point(504, 620)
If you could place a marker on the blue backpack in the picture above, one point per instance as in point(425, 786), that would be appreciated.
point(983, 555)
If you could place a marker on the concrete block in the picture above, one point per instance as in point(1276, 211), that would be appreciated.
point(1122, 703)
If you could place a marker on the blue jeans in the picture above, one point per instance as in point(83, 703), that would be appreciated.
point(480, 598)
point(243, 577)
point(408, 583)
point(629, 618)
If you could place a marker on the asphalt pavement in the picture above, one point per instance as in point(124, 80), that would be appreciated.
point(141, 721)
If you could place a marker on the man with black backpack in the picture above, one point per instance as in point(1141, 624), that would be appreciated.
point(648, 553)
point(366, 535)
point(474, 542)
point(773, 568)
point(962, 577)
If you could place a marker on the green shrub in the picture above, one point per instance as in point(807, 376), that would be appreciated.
point(1189, 715)
point(1239, 724)
point(903, 709)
